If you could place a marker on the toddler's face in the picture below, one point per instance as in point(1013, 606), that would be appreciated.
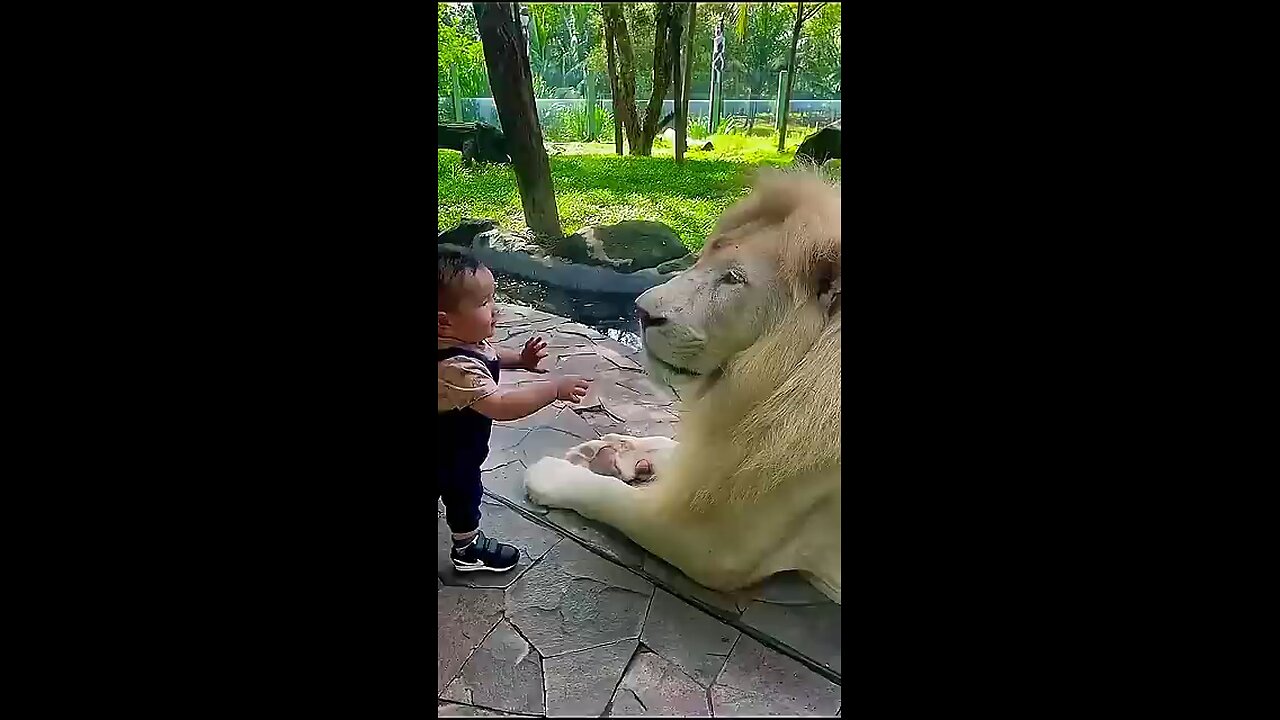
point(475, 317)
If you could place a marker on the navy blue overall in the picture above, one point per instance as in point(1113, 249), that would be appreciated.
point(465, 445)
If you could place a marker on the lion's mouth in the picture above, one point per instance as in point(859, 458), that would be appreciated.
point(674, 369)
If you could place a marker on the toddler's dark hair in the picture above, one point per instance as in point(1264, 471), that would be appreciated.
point(452, 268)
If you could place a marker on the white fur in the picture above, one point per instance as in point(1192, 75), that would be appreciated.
point(753, 488)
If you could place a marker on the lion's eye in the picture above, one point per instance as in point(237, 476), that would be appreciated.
point(733, 277)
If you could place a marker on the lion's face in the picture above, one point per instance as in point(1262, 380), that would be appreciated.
point(699, 319)
point(743, 283)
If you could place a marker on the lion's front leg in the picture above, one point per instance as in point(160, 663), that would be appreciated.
point(630, 459)
point(557, 483)
point(635, 511)
point(638, 512)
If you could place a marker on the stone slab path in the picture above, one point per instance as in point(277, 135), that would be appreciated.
point(589, 623)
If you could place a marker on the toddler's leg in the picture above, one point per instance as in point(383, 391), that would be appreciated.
point(472, 551)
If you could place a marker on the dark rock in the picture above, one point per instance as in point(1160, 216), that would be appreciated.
point(822, 145)
point(532, 260)
point(626, 246)
point(465, 232)
point(500, 241)
point(476, 140)
point(677, 265)
point(581, 683)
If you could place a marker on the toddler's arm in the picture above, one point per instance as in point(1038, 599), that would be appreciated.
point(515, 403)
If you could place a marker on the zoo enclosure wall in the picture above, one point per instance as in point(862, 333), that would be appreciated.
point(808, 112)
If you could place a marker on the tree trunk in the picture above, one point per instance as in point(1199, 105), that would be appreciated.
point(791, 77)
point(624, 100)
point(688, 62)
point(507, 60)
point(613, 87)
point(611, 62)
point(677, 79)
point(662, 66)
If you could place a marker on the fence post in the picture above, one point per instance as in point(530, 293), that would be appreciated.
point(713, 118)
point(591, 106)
point(717, 69)
point(457, 93)
point(782, 90)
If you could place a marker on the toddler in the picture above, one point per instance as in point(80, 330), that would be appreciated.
point(468, 400)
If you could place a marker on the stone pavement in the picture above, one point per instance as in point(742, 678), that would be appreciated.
point(589, 623)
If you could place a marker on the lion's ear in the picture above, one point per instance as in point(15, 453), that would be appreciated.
point(829, 287)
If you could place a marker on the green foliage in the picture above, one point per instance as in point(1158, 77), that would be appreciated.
point(566, 41)
point(594, 186)
point(561, 39)
point(541, 89)
point(459, 44)
point(569, 124)
point(598, 62)
point(641, 24)
point(818, 59)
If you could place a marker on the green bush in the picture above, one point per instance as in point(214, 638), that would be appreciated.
point(569, 124)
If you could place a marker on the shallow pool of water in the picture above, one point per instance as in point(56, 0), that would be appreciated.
point(613, 315)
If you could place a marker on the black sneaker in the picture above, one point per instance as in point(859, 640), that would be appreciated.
point(484, 553)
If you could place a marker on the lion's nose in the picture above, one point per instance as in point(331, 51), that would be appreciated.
point(647, 320)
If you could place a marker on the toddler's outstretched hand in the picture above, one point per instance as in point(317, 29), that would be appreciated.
point(571, 388)
point(533, 353)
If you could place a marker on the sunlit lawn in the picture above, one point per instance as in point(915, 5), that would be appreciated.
point(595, 186)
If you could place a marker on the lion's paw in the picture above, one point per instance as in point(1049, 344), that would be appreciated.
point(618, 456)
point(595, 455)
point(546, 482)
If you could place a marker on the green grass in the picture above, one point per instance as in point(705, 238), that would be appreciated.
point(594, 186)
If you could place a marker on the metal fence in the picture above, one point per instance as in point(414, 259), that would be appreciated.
point(810, 112)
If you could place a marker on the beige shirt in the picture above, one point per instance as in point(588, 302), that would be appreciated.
point(462, 380)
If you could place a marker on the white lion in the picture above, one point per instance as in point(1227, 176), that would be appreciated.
point(749, 337)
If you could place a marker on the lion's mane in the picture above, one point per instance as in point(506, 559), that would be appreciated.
point(773, 415)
